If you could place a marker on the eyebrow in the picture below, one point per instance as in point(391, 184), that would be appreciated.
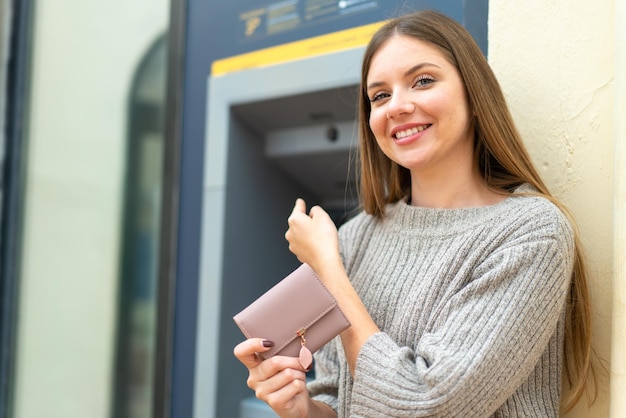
point(410, 71)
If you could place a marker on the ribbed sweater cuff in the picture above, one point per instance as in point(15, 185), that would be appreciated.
point(328, 400)
point(384, 371)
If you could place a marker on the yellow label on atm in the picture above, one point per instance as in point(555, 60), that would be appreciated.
point(319, 45)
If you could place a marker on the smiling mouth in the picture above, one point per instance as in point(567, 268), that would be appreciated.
point(409, 132)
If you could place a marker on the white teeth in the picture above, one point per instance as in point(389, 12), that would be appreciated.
point(412, 131)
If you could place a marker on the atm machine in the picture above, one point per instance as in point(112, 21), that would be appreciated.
point(276, 133)
point(280, 124)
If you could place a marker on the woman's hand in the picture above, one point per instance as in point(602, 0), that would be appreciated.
point(312, 237)
point(279, 381)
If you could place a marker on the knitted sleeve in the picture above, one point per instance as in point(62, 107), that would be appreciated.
point(325, 387)
point(484, 342)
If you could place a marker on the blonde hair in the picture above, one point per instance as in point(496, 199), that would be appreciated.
point(499, 153)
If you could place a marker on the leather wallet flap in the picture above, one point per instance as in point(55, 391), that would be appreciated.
point(296, 302)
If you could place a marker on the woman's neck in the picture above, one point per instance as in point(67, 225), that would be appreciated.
point(452, 192)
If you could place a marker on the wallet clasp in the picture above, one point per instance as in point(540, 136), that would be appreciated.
point(300, 334)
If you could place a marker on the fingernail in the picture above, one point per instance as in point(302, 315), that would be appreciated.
point(268, 343)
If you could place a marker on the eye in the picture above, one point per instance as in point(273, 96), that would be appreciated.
point(379, 96)
point(424, 80)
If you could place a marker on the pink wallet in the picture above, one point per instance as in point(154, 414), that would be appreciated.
point(298, 314)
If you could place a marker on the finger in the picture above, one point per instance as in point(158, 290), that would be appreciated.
point(283, 397)
point(275, 381)
point(247, 350)
point(277, 363)
point(298, 214)
point(299, 207)
point(317, 211)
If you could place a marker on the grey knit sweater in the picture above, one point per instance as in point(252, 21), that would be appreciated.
point(470, 306)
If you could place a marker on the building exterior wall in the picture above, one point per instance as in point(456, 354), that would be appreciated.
point(5, 28)
point(84, 56)
point(561, 66)
point(618, 357)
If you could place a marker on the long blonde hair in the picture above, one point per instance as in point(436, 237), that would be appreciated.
point(499, 153)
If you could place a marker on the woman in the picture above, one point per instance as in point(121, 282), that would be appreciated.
point(462, 277)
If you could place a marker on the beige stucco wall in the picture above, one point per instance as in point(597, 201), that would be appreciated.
point(558, 65)
point(618, 365)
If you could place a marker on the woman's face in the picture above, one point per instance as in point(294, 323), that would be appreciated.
point(419, 110)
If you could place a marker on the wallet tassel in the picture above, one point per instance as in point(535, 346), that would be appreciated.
point(305, 357)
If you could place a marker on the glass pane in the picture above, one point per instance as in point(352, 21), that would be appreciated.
point(142, 210)
point(87, 306)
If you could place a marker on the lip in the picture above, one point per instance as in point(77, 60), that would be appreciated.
point(422, 127)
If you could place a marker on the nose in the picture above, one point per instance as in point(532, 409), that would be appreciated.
point(399, 104)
